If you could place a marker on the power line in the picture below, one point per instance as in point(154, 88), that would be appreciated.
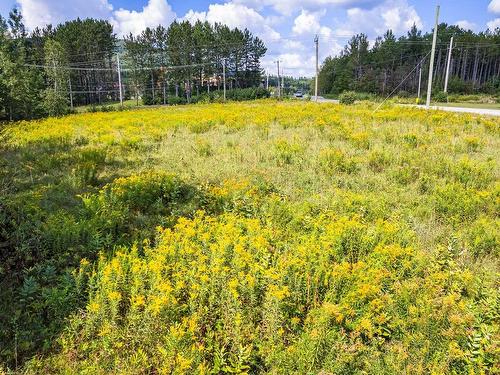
point(404, 79)
point(166, 67)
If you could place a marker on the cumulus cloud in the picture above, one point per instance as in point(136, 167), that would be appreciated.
point(493, 24)
point(263, 17)
point(494, 6)
point(466, 25)
point(156, 12)
point(236, 15)
point(42, 12)
point(396, 15)
point(290, 6)
point(193, 16)
point(308, 22)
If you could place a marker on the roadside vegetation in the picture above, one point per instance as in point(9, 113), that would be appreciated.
point(256, 237)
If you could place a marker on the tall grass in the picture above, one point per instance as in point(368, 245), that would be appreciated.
point(256, 237)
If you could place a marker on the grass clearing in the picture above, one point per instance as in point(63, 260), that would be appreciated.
point(258, 237)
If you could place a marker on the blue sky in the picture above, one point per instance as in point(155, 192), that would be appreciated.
point(287, 26)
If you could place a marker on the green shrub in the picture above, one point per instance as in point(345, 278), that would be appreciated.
point(348, 98)
point(440, 97)
point(176, 100)
point(250, 93)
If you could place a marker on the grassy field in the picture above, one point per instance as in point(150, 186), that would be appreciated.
point(256, 237)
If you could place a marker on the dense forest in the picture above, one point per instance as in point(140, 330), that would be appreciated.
point(475, 64)
point(50, 70)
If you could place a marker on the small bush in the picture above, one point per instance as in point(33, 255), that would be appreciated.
point(440, 97)
point(348, 98)
point(176, 100)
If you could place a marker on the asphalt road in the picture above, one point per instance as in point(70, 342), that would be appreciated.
point(479, 111)
point(324, 100)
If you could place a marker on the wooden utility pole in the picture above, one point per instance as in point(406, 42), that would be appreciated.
point(316, 41)
point(119, 78)
point(433, 55)
point(448, 66)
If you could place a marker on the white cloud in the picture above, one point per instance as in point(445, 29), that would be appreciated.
point(307, 22)
point(494, 6)
point(156, 12)
point(193, 16)
point(466, 25)
point(493, 24)
point(289, 7)
point(236, 15)
point(291, 63)
point(42, 12)
point(396, 15)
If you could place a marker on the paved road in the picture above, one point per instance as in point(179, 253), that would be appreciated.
point(324, 100)
point(479, 111)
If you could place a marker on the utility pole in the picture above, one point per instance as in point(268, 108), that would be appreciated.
point(433, 55)
point(279, 85)
point(448, 66)
point(70, 92)
point(224, 74)
point(316, 41)
point(419, 80)
point(119, 78)
point(267, 80)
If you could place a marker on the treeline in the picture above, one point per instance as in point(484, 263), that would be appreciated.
point(42, 72)
point(475, 64)
point(190, 59)
point(50, 70)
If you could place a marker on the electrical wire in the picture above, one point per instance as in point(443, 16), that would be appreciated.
point(404, 79)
